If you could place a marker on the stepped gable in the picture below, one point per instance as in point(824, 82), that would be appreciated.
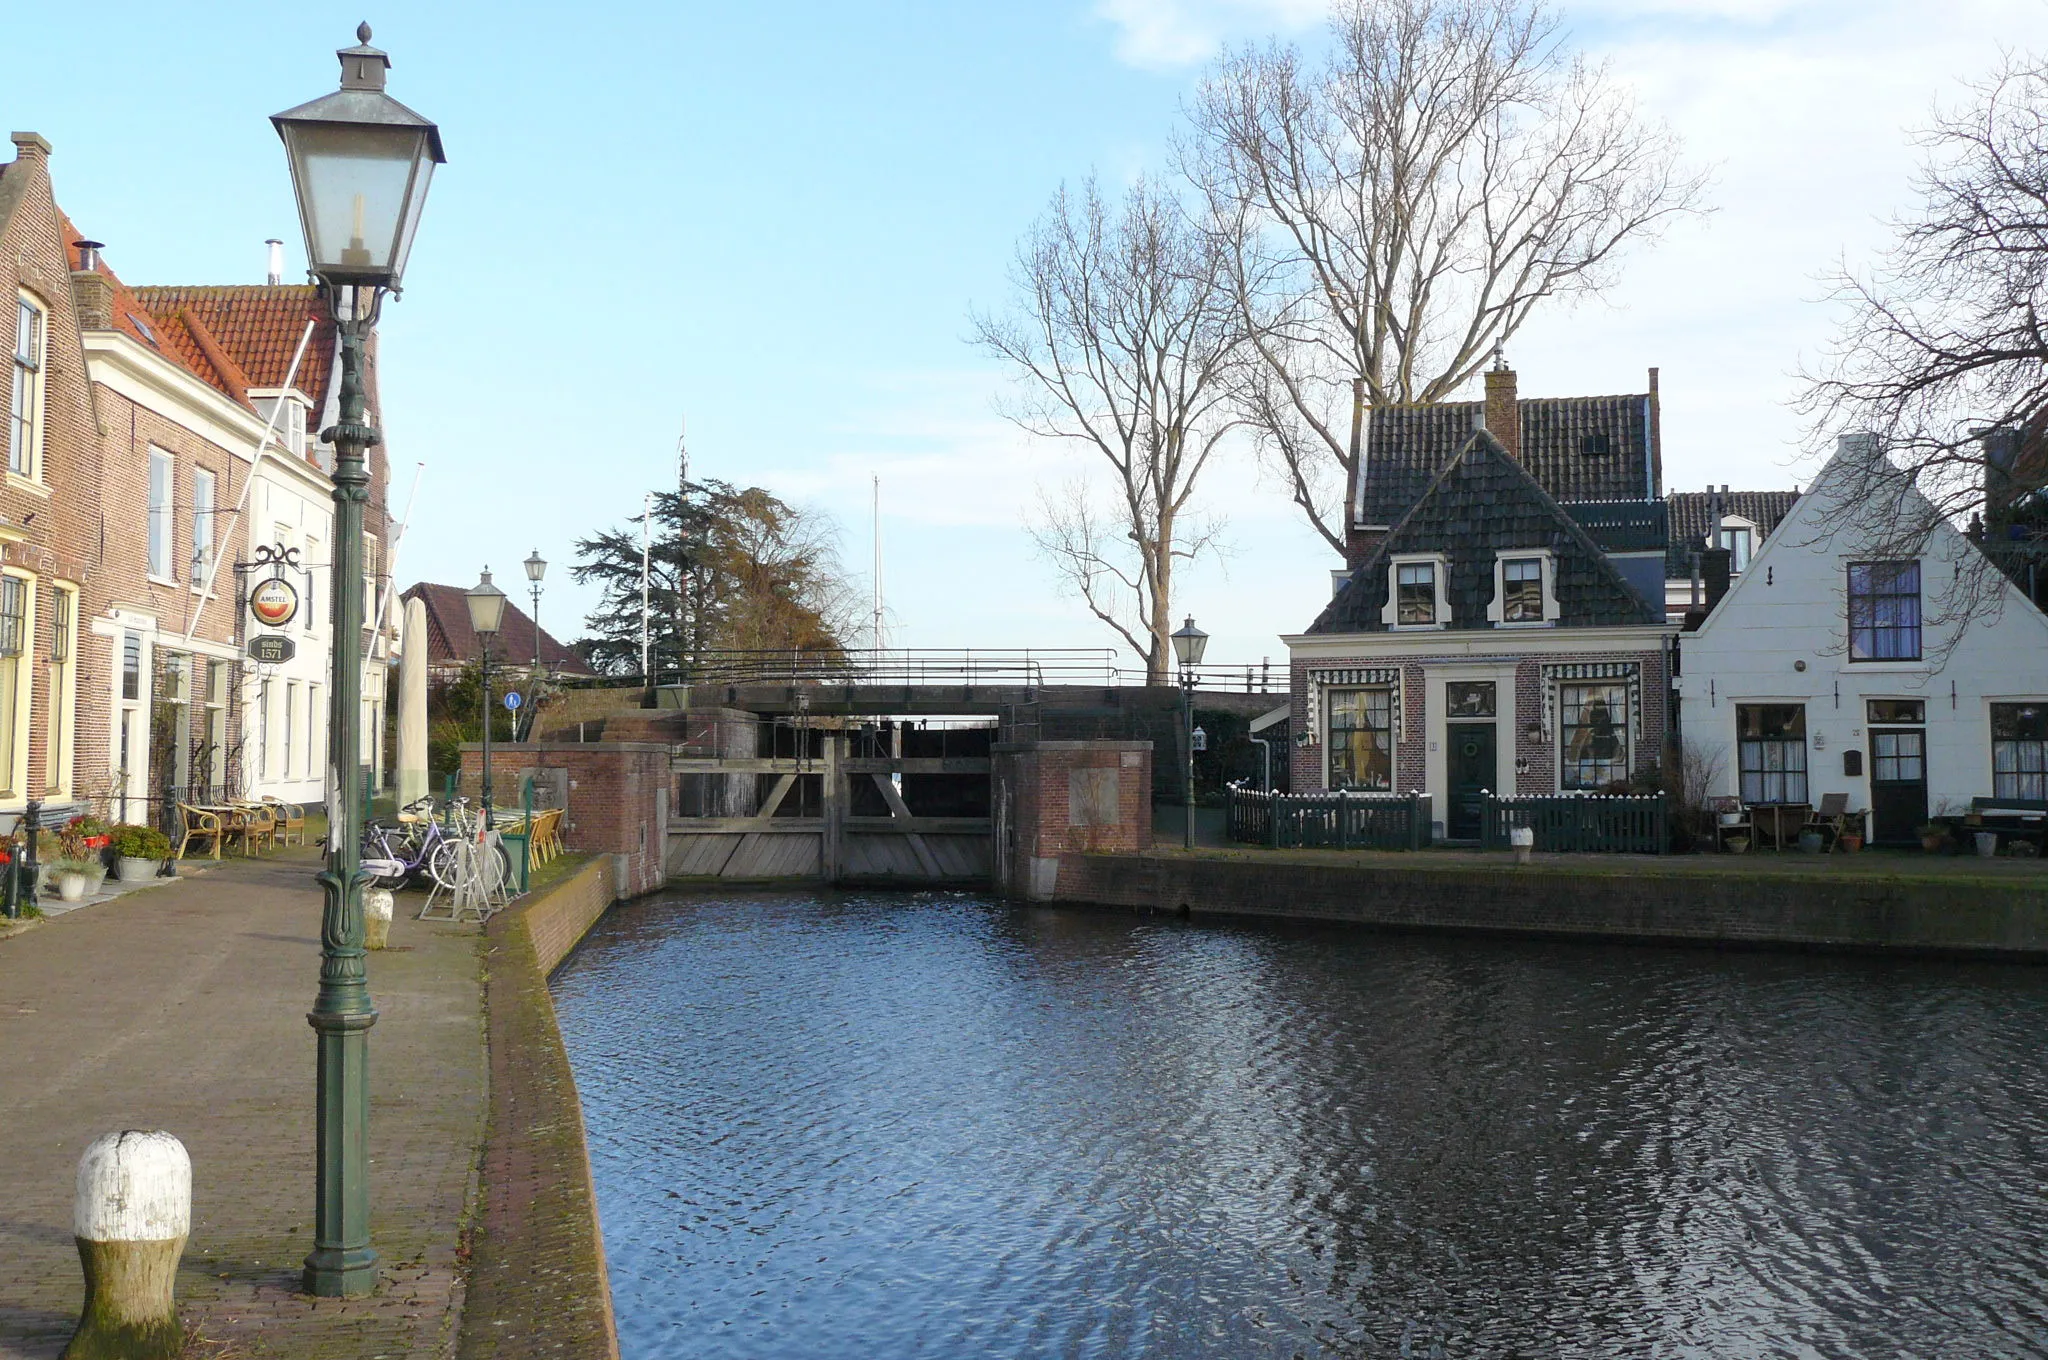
point(1578, 449)
point(1483, 502)
point(1692, 518)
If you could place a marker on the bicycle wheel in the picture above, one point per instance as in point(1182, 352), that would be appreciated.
point(441, 865)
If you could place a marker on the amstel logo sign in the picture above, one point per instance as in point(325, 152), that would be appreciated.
point(273, 602)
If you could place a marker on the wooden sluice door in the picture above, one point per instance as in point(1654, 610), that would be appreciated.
point(860, 802)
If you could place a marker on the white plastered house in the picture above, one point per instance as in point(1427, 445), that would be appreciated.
point(1825, 670)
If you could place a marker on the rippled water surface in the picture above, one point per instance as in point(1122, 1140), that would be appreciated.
point(900, 1126)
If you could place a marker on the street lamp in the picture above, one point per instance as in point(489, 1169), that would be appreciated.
point(486, 613)
point(360, 162)
point(536, 567)
point(1189, 643)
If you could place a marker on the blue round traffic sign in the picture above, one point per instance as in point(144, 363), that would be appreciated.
point(512, 700)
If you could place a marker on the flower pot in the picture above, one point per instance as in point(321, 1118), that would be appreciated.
point(71, 887)
point(1850, 842)
point(1737, 844)
point(1730, 818)
point(129, 869)
point(1987, 845)
point(1933, 844)
point(1809, 842)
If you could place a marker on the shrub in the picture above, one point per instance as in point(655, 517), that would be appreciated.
point(141, 842)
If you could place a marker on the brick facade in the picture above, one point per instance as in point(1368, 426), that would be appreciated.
point(1056, 798)
point(615, 798)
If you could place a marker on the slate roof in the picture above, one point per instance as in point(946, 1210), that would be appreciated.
point(1406, 446)
point(452, 642)
point(1484, 501)
point(1692, 515)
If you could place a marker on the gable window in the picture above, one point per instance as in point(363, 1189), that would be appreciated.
point(1592, 735)
point(1362, 739)
point(1521, 587)
point(25, 414)
point(161, 478)
point(2019, 750)
point(1884, 611)
point(1772, 752)
point(1415, 592)
point(1738, 538)
point(131, 665)
point(202, 525)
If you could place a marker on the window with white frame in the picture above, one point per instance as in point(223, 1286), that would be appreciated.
point(1771, 752)
point(1884, 611)
point(263, 730)
point(15, 605)
point(1738, 536)
point(1592, 735)
point(202, 524)
point(1361, 737)
point(2019, 750)
point(1521, 590)
point(218, 680)
point(62, 675)
point(162, 482)
point(291, 723)
point(25, 413)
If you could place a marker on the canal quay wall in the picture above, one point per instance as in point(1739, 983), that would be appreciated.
point(1859, 906)
point(537, 1279)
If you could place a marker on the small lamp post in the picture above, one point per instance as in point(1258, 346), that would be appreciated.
point(1189, 643)
point(486, 614)
point(360, 163)
point(536, 567)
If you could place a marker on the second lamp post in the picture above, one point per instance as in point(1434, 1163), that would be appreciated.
point(1189, 643)
point(486, 615)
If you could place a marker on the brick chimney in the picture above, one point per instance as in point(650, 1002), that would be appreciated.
point(1715, 565)
point(30, 146)
point(1503, 409)
point(92, 292)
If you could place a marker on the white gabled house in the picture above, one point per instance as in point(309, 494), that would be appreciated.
point(1826, 671)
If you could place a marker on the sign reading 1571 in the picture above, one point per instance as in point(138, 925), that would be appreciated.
point(273, 602)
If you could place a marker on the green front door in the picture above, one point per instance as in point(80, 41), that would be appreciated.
point(1472, 773)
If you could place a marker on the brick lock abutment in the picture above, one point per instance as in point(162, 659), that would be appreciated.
point(1601, 900)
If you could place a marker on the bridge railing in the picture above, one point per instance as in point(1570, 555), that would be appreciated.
point(965, 666)
point(1582, 823)
point(1330, 821)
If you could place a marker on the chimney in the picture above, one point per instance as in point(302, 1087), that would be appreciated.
point(29, 146)
point(1714, 564)
point(1503, 410)
point(92, 293)
point(276, 261)
point(1656, 449)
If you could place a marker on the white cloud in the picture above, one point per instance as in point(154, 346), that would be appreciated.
point(1162, 34)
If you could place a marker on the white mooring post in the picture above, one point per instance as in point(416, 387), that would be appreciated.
point(131, 1217)
point(377, 905)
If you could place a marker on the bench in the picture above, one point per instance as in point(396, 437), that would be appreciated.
point(2009, 819)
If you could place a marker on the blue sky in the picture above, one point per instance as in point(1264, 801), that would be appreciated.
point(772, 220)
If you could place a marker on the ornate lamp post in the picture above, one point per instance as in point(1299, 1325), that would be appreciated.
point(360, 162)
point(1189, 643)
point(486, 613)
point(536, 567)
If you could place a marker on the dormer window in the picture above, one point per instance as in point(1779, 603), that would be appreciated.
point(1415, 592)
point(1738, 536)
point(1521, 590)
point(1524, 589)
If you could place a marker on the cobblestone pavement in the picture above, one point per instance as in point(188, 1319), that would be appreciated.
point(184, 1008)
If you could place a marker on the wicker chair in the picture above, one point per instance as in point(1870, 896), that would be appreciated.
point(291, 819)
point(199, 825)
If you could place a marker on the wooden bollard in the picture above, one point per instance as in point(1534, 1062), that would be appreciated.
point(376, 918)
point(133, 1211)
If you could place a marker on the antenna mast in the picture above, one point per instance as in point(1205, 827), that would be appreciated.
point(878, 567)
point(685, 650)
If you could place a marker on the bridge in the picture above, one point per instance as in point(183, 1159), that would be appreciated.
point(873, 767)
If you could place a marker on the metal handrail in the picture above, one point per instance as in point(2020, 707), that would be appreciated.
point(1030, 666)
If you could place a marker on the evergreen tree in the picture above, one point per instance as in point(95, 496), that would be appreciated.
point(729, 570)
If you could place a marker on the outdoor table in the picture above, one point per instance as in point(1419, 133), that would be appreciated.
point(1777, 816)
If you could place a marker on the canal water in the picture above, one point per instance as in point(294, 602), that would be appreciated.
point(939, 1126)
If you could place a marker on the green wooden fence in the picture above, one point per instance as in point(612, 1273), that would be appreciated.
point(1331, 821)
point(1589, 823)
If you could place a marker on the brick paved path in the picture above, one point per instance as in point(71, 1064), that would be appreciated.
point(184, 1008)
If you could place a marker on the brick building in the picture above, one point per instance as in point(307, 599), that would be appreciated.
point(135, 417)
point(1502, 627)
point(452, 644)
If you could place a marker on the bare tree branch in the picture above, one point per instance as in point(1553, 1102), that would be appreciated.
point(1126, 341)
point(1416, 196)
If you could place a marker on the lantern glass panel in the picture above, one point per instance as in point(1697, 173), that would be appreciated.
point(360, 190)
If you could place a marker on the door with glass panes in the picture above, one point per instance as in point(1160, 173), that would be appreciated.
point(1898, 769)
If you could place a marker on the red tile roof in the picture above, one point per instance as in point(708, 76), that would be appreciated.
point(257, 327)
point(451, 641)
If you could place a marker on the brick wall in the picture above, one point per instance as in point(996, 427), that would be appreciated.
point(1060, 798)
point(560, 917)
point(1860, 912)
point(617, 802)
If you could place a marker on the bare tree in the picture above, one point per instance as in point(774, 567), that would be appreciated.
point(1943, 360)
point(1416, 194)
point(1124, 340)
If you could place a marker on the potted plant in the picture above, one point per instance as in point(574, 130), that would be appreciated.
point(1850, 841)
point(1809, 842)
point(1736, 844)
point(139, 851)
point(76, 879)
point(1933, 836)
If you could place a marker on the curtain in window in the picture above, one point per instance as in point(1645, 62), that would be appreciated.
point(1592, 735)
point(1771, 742)
point(1362, 739)
point(2019, 750)
point(1884, 611)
